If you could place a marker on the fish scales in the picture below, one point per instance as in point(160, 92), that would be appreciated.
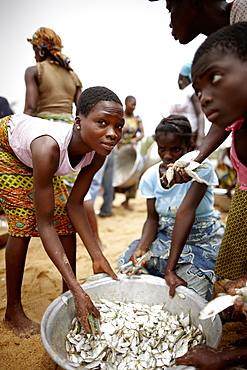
point(132, 336)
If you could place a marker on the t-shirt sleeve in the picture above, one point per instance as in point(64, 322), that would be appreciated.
point(147, 183)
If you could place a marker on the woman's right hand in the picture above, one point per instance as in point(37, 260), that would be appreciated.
point(84, 306)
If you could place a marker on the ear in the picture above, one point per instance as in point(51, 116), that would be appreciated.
point(77, 122)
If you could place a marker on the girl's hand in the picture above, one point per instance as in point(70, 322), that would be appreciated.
point(84, 306)
point(136, 254)
point(203, 357)
point(236, 312)
point(173, 281)
point(103, 265)
point(180, 177)
point(230, 287)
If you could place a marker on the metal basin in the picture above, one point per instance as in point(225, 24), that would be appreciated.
point(145, 289)
point(129, 165)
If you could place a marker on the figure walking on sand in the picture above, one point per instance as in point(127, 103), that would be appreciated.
point(132, 133)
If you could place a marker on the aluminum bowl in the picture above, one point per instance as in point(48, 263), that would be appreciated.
point(147, 289)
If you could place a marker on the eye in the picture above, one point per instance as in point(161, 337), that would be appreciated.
point(102, 122)
point(216, 77)
point(198, 93)
point(176, 149)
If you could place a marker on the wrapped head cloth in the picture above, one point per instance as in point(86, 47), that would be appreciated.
point(46, 39)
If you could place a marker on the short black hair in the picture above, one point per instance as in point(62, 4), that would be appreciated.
point(176, 124)
point(227, 40)
point(91, 96)
point(129, 97)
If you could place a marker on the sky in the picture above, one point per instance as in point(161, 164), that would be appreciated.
point(125, 45)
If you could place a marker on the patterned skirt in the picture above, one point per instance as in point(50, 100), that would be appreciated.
point(16, 193)
point(232, 259)
point(197, 259)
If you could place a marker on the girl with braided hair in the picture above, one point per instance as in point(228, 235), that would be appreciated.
point(182, 228)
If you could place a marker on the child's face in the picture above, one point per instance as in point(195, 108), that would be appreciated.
point(102, 128)
point(170, 147)
point(220, 82)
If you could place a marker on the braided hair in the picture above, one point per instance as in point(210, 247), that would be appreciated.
point(175, 124)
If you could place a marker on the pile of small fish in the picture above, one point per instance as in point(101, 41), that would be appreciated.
point(132, 336)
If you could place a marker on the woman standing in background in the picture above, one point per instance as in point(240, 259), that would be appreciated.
point(51, 85)
point(132, 132)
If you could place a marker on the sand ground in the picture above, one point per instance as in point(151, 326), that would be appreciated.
point(42, 284)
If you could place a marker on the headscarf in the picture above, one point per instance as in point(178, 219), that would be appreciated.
point(186, 70)
point(45, 38)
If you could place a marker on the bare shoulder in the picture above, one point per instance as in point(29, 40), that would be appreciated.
point(31, 71)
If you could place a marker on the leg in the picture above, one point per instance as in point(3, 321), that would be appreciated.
point(88, 205)
point(69, 244)
point(15, 318)
point(108, 196)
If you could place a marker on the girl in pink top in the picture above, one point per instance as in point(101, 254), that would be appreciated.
point(33, 155)
point(219, 74)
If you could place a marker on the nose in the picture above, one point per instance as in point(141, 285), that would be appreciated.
point(205, 98)
point(111, 132)
point(168, 156)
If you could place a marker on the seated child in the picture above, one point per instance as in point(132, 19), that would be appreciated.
point(182, 228)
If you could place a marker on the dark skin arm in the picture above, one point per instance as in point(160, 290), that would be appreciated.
point(32, 92)
point(208, 358)
point(214, 138)
point(149, 232)
point(45, 154)
point(185, 218)
point(200, 120)
point(77, 214)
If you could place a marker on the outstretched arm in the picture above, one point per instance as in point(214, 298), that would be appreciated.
point(78, 216)
point(45, 155)
point(214, 138)
point(208, 358)
point(149, 232)
point(185, 218)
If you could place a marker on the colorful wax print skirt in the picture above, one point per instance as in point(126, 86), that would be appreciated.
point(16, 193)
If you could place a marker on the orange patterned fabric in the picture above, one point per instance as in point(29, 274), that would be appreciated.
point(231, 262)
point(16, 193)
point(45, 38)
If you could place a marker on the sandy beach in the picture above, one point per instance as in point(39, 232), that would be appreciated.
point(42, 284)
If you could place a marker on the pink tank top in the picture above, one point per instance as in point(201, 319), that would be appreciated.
point(23, 129)
point(239, 167)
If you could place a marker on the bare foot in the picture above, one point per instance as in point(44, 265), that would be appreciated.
point(23, 327)
point(125, 204)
